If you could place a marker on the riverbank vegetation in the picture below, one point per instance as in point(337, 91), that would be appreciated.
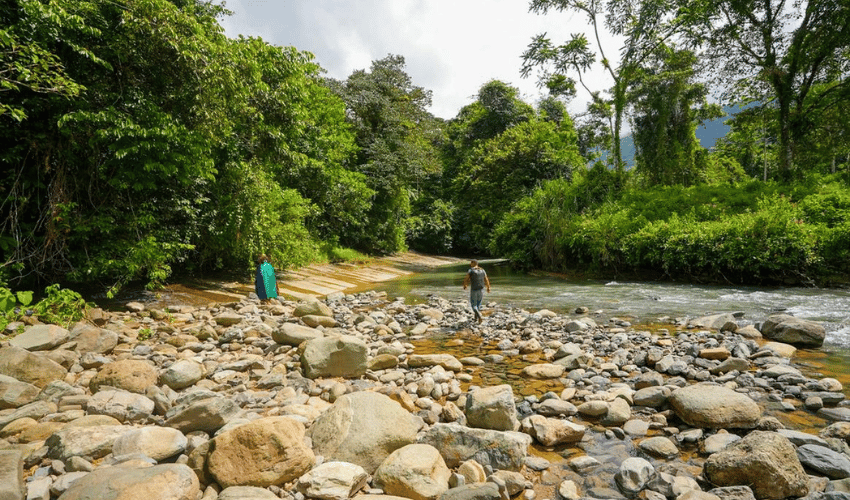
point(140, 142)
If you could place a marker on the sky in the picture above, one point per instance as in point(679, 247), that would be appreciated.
point(451, 47)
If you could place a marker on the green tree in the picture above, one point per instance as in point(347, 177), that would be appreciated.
point(184, 149)
point(496, 108)
point(28, 67)
point(395, 135)
point(506, 168)
point(643, 26)
point(776, 52)
point(669, 104)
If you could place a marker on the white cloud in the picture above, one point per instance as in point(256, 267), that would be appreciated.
point(450, 47)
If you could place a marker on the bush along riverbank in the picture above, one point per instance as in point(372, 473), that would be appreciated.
point(749, 233)
point(341, 397)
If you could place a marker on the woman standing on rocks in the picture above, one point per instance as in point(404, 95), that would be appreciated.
point(265, 282)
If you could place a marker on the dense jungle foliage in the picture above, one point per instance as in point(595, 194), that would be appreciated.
point(138, 141)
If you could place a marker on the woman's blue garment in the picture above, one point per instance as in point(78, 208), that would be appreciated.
point(265, 282)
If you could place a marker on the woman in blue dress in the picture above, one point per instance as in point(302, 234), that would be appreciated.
point(266, 282)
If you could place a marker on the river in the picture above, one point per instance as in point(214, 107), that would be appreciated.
point(650, 302)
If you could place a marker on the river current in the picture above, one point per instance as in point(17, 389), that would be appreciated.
point(646, 302)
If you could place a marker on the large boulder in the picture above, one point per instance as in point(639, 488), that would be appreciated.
point(158, 443)
point(246, 493)
point(362, 428)
point(447, 361)
point(498, 449)
point(29, 367)
point(294, 334)
point(133, 375)
point(268, 451)
point(89, 338)
point(492, 408)
point(634, 474)
point(765, 461)
point(208, 414)
point(825, 461)
point(182, 373)
point(415, 471)
point(312, 307)
point(12, 474)
point(41, 338)
point(167, 481)
point(124, 406)
point(795, 331)
point(87, 442)
point(715, 407)
point(14, 393)
point(342, 356)
point(332, 481)
point(552, 431)
point(725, 321)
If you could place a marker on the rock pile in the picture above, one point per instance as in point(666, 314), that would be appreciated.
point(329, 400)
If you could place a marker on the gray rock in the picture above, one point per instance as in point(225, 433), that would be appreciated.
point(492, 408)
point(633, 475)
point(12, 475)
point(479, 491)
point(841, 414)
point(182, 373)
point(552, 431)
point(730, 364)
point(733, 493)
point(14, 393)
point(86, 442)
point(122, 405)
point(158, 443)
point(41, 338)
point(653, 397)
point(91, 339)
point(332, 481)
point(446, 361)
point(556, 408)
point(207, 415)
point(718, 442)
point(362, 428)
point(343, 356)
point(294, 334)
point(795, 331)
point(35, 410)
point(824, 460)
point(764, 461)
point(798, 438)
point(35, 369)
point(712, 406)
point(619, 412)
point(498, 449)
point(246, 493)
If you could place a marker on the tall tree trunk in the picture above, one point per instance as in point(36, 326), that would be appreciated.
point(619, 105)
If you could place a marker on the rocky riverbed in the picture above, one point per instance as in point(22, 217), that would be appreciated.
point(342, 397)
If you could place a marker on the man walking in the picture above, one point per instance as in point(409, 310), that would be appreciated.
point(476, 278)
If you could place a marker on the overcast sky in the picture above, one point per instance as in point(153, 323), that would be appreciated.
point(451, 47)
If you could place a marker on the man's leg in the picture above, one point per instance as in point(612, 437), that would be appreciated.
point(475, 298)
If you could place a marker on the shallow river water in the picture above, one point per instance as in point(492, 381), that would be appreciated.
point(650, 302)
